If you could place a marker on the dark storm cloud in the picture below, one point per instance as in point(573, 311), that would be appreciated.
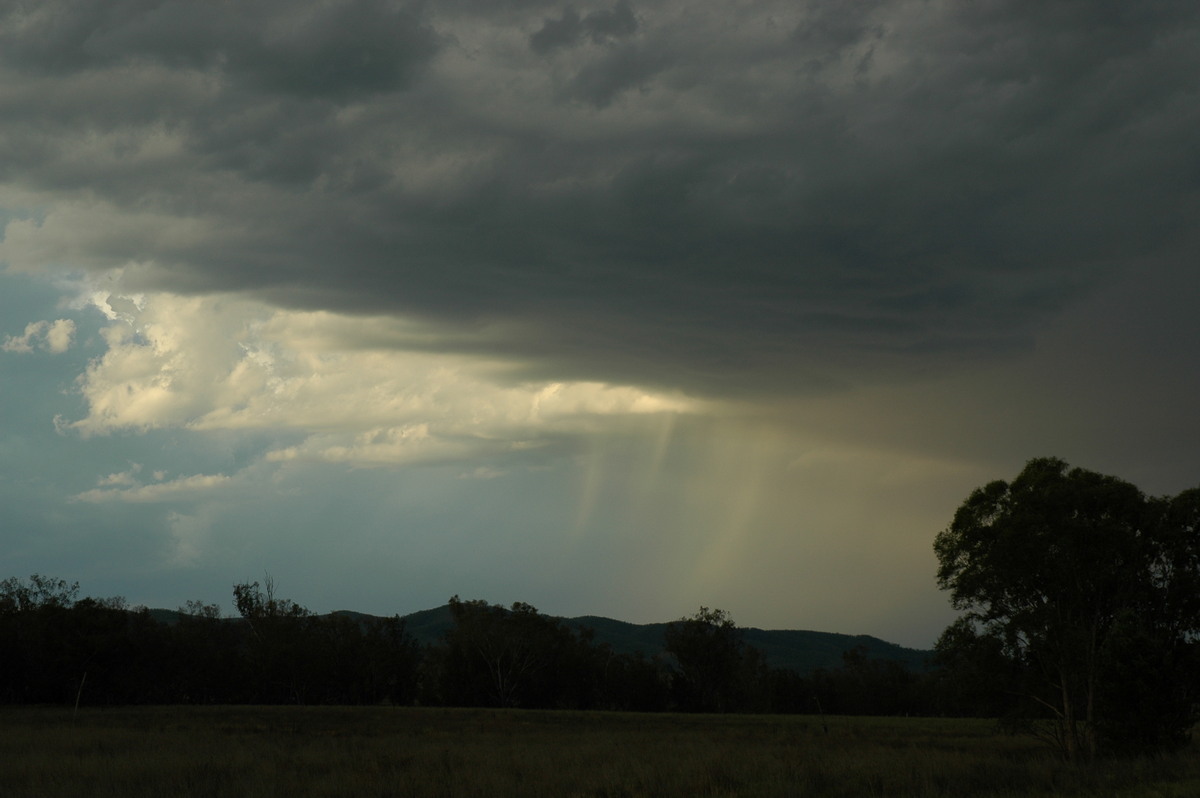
point(306, 49)
point(569, 29)
point(719, 198)
point(601, 82)
point(828, 28)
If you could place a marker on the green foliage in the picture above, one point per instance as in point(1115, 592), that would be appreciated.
point(1080, 598)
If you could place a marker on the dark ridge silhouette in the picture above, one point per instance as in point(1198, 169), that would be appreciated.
point(798, 650)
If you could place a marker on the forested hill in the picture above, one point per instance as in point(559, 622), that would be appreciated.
point(801, 651)
point(60, 649)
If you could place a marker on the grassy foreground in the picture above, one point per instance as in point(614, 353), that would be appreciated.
point(334, 751)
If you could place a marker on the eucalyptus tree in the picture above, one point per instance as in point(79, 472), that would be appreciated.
point(1080, 595)
point(708, 651)
point(277, 643)
point(511, 657)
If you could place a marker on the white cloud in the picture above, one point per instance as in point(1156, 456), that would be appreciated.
point(122, 478)
point(130, 492)
point(361, 388)
point(24, 343)
point(188, 534)
point(54, 337)
point(59, 336)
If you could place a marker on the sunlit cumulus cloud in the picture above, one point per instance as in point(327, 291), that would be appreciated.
point(54, 337)
point(225, 363)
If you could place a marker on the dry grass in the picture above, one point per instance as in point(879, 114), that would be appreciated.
point(296, 751)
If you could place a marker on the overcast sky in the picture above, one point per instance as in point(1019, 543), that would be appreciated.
point(612, 308)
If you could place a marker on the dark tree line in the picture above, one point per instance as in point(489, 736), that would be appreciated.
point(58, 649)
point(55, 649)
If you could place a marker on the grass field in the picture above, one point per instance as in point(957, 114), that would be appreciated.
point(333, 751)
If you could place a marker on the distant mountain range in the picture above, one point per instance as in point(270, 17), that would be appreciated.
point(798, 650)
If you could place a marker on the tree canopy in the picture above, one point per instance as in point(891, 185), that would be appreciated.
point(711, 657)
point(1081, 602)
